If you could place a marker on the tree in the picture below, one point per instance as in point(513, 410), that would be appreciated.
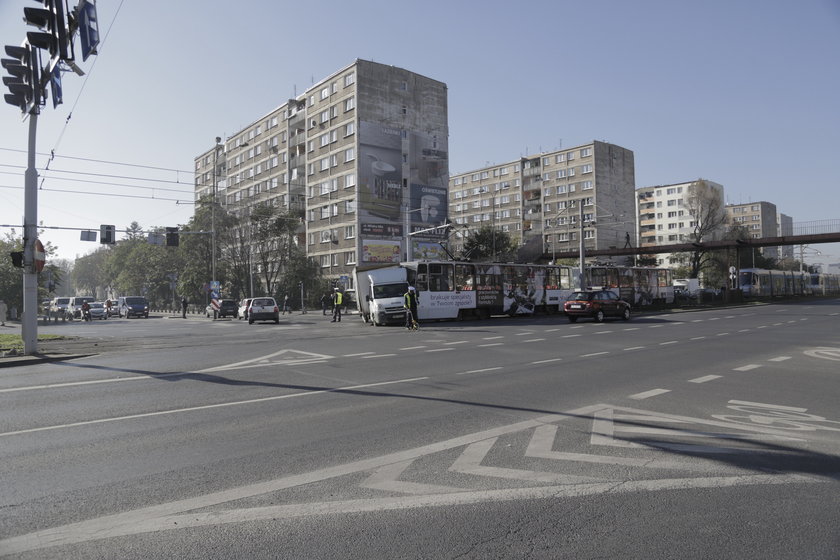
point(707, 214)
point(487, 243)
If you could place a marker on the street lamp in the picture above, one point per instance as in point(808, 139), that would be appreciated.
point(213, 210)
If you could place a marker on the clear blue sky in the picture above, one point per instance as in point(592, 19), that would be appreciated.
point(744, 93)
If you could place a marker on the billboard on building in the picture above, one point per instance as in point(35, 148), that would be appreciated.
point(403, 182)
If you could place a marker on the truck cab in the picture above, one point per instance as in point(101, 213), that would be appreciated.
point(381, 294)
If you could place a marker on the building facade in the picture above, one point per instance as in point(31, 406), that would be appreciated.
point(759, 219)
point(552, 200)
point(362, 155)
point(670, 214)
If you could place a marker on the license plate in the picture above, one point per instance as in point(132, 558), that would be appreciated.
point(575, 306)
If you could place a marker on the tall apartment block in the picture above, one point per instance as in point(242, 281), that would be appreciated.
point(665, 215)
point(760, 219)
point(548, 201)
point(362, 156)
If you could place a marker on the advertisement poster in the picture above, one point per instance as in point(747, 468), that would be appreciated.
point(381, 251)
point(402, 184)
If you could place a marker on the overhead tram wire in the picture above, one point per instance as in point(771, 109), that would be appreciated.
point(57, 156)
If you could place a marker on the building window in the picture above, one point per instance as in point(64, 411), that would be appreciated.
point(350, 129)
point(350, 257)
point(325, 261)
point(586, 168)
point(325, 212)
point(350, 104)
point(349, 79)
point(349, 154)
point(350, 232)
point(350, 206)
point(586, 152)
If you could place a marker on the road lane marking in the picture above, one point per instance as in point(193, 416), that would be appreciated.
point(779, 359)
point(534, 340)
point(648, 394)
point(704, 379)
point(378, 356)
point(439, 349)
point(669, 342)
point(456, 342)
point(491, 344)
point(79, 383)
point(571, 335)
point(631, 329)
point(634, 348)
point(479, 370)
point(594, 354)
point(747, 367)
point(412, 347)
point(207, 407)
point(697, 338)
point(492, 337)
point(358, 354)
point(547, 361)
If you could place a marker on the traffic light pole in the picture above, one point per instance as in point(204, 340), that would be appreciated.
point(29, 320)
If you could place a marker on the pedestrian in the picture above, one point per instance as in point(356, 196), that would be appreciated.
point(287, 307)
point(410, 306)
point(325, 302)
point(184, 304)
point(3, 311)
point(336, 301)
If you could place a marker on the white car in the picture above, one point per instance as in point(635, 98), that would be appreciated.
point(97, 310)
point(263, 309)
point(242, 312)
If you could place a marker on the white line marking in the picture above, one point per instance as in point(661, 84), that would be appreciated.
point(762, 327)
point(551, 330)
point(457, 342)
point(655, 326)
point(669, 342)
point(412, 348)
point(745, 330)
point(378, 356)
point(207, 407)
point(534, 340)
point(747, 367)
point(547, 361)
point(631, 329)
point(779, 359)
point(492, 337)
point(603, 332)
point(78, 383)
point(358, 354)
point(479, 370)
point(439, 349)
point(524, 333)
point(765, 405)
point(704, 379)
point(722, 334)
point(634, 348)
point(648, 394)
point(698, 338)
point(491, 344)
point(594, 354)
point(571, 335)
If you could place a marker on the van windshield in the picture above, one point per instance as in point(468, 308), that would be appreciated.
point(135, 300)
point(390, 290)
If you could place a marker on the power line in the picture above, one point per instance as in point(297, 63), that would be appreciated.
point(53, 155)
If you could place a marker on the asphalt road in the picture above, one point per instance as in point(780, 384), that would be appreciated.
point(710, 434)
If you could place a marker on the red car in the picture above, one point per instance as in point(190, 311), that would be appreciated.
point(596, 304)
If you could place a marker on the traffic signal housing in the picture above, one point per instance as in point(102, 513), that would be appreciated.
point(17, 259)
point(52, 19)
point(172, 237)
point(107, 235)
point(23, 80)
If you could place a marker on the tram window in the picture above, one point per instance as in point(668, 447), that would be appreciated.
point(464, 277)
point(441, 277)
point(422, 278)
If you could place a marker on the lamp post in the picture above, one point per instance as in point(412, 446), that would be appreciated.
point(213, 210)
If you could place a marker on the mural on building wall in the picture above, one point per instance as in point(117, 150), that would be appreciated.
point(386, 211)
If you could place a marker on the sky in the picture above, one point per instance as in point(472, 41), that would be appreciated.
point(740, 92)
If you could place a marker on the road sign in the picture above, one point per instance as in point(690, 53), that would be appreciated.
point(40, 256)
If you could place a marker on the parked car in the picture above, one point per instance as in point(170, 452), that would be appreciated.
point(263, 309)
point(596, 304)
point(133, 306)
point(74, 308)
point(98, 310)
point(242, 312)
point(227, 308)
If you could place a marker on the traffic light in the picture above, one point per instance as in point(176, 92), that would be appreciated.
point(53, 21)
point(24, 79)
point(172, 237)
point(107, 235)
point(17, 259)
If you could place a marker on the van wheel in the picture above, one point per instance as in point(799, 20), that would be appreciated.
point(599, 316)
point(626, 314)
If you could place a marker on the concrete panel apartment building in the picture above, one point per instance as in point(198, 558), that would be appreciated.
point(362, 156)
point(548, 201)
